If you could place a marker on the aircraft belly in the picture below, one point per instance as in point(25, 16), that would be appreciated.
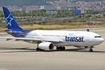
point(70, 44)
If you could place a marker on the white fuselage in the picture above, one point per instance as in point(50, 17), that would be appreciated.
point(66, 38)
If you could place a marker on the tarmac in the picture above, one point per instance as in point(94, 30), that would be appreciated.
point(18, 55)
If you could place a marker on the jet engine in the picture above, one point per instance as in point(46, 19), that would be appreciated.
point(46, 46)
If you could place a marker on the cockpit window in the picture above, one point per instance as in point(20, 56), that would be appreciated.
point(97, 37)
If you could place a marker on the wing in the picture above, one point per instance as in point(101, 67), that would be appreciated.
point(30, 39)
point(34, 39)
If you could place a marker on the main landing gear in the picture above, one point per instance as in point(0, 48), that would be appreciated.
point(37, 49)
point(59, 48)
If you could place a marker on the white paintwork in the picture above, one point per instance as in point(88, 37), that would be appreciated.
point(58, 37)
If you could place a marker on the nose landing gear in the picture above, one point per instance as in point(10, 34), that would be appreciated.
point(91, 49)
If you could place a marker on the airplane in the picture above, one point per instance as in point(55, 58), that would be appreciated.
point(48, 39)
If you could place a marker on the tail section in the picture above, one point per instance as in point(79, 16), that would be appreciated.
point(10, 21)
point(13, 27)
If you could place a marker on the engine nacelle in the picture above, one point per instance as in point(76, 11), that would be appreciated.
point(46, 46)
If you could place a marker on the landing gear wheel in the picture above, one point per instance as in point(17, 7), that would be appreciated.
point(60, 48)
point(91, 50)
point(63, 48)
point(37, 49)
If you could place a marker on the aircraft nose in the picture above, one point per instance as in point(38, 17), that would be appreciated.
point(101, 40)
